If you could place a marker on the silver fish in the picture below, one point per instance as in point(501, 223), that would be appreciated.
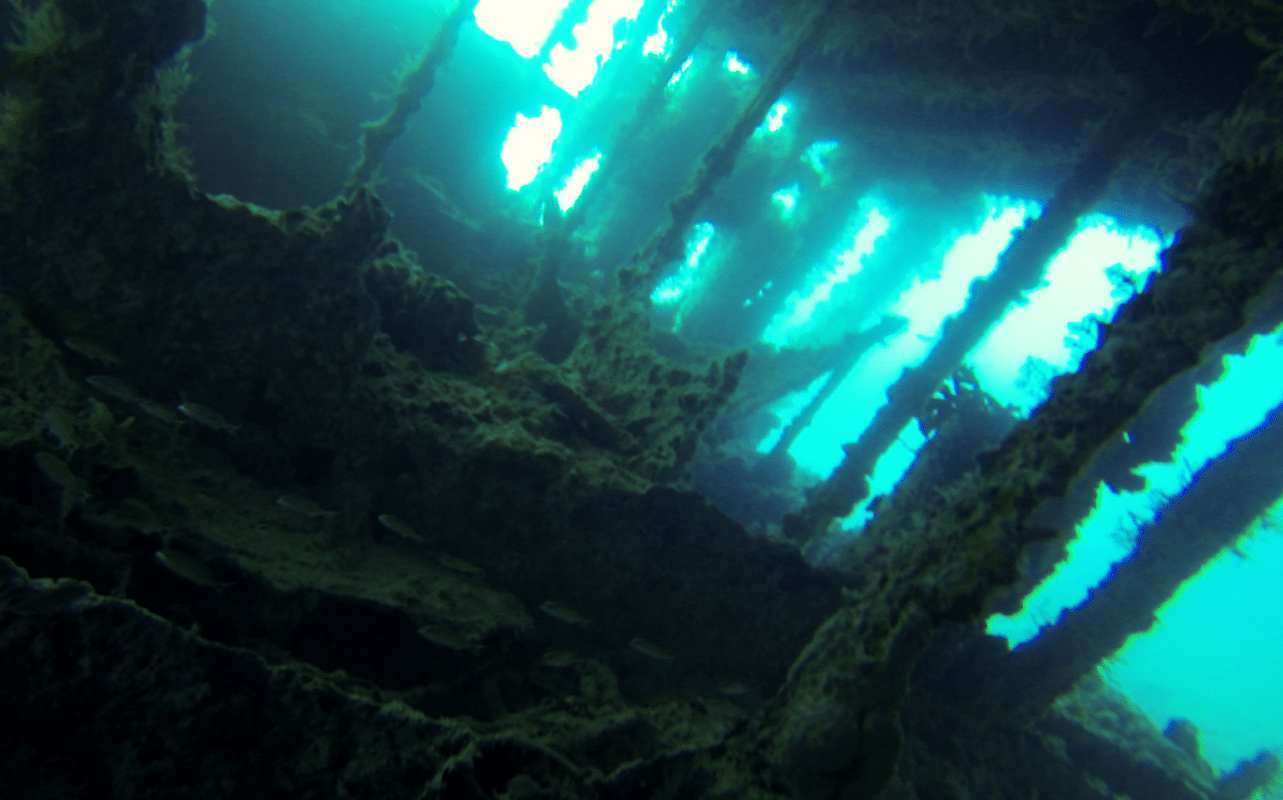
point(400, 527)
point(301, 505)
point(61, 428)
point(563, 612)
point(130, 513)
point(160, 411)
point(448, 639)
point(92, 350)
point(559, 658)
point(74, 492)
point(189, 568)
point(648, 648)
point(459, 565)
point(208, 417)
point(114, 387)
point(59, 472)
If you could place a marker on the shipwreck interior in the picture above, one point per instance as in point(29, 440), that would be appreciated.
point(341, 461)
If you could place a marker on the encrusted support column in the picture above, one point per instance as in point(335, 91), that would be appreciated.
point(1020, 268)
point(834, 728)
point(545, 303)
point(1190, 531)
point(414, 85)
point(855, 348)
point(614, 364)
point(639, 278)
point(652, 102)
point(626, 319)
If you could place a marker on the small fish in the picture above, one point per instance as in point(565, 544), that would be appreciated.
point(189, 568)
point(114, 387)
point(563, 612)
point(61, 428)
point(459, 565)
point(208, 417)
point(733, 689)
point(92, 350)
point(59, 472)
point(301, 505)
point(559, 658)
point(74, 492)
point(160, 411)
point(448, 639)
point(651, 649)
point(131, 513)
point(400, 527)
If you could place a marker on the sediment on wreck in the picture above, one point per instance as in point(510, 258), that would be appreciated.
point(303, 334)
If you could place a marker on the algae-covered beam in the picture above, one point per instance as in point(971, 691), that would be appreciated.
point(835, 725)
point(615, 348)
point(1020, 269)
point(582, 132)
point(852, 351)
point(1189, 531)
point(545, 303)
point(415, 83)
point(646, 268)
point(652, 102)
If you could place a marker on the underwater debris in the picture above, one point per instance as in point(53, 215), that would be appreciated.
point(208, 417)
point(563, 612)
point(650, 649)
point(459, 565)
point(92, 351)
point(451, 640)
point(559, 659)
point(114, 387)
point(189, 568)
point(301, 505)
point(159, 411)
point(400, 527)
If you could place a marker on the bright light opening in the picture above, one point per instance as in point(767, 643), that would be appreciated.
point(674, 287)
point(1078, 284)
point(734, 64)
point(680, 73)
point(925, 305)
point(800, 308)
point(775, 118)
point(786, 409)
point(1216, 631)
point(574, 70)
point(786, 200)
point(529, 146)
point(657, 43)
point(569, 193)
point(524, 24)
